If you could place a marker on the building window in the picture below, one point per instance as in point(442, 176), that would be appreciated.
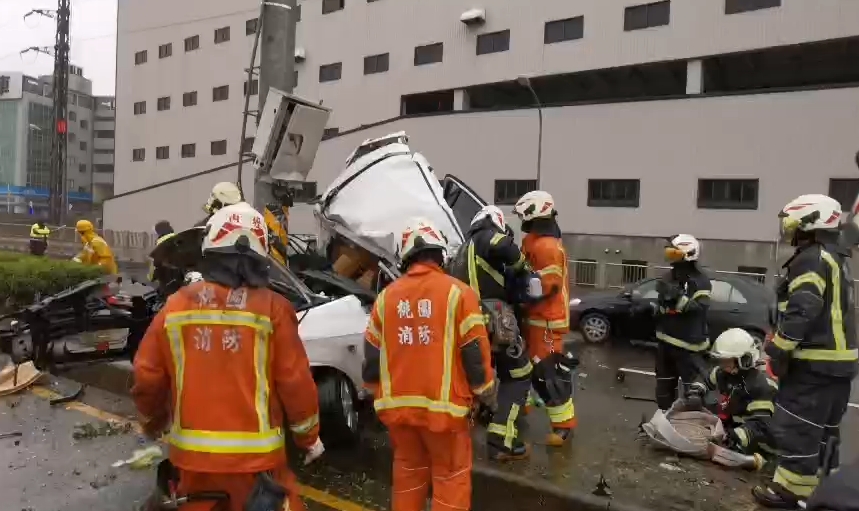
point(254, 89)
point(82, 168)
point(165, 50)
point(104, 134)
point(222, 35)
point(637, 17)
point(758, 273)
point(248, 144)
point(73, 116)
point(189, 98)
point(330, 72)
point(297, 12)
point(493, 42)
point(330, 132)
point(613, 193)
point(429, 54)
point(138, 154)
point(738, 6)
point(189, 150)
point(219, 147)
point(508, 191)
point(728, 193)
point(376, 63)
point(306, 193)
point(162, 152)
point(103, 151)
point(251, 26)
point(192, 43)
point(84, 124)
point(569, 29)
point(221, 93)
point(163, 103)
point(72, 137)
point(844, 191)
point(83, 145)
point(140, 58)
point(329, 6)
point(140, 108)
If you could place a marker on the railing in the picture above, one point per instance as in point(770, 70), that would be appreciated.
point(586, 273)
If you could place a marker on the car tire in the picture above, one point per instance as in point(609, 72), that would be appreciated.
point(595, 328)
point(338, 409)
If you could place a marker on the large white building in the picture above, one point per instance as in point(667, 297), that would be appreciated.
point(26, 127)
point(659, 117)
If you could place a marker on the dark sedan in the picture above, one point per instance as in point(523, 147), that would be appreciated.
point(736, 301)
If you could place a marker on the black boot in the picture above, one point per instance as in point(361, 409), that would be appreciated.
point(498, 452)
point(774, 496)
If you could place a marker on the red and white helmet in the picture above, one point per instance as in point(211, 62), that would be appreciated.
point(536, 204)
point(495, 215)
point(223, 194)
point(420, 234)
point(682, 247)
point(237, 229)
point(811, 212)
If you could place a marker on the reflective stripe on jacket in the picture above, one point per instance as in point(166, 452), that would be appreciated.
point(39, 233)
point(547, 257)
point(225, 365)
point(419, 324)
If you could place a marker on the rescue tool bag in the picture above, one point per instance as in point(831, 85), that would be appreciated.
point(501, 324)
point(266, 495)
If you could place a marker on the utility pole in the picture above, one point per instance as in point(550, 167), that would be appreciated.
point(277, 67)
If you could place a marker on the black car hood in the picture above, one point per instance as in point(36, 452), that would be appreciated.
point(598, 297)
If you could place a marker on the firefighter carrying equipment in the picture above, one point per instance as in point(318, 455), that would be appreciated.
point(95, 250)
point(814, 355)
point(206, 331)
point(427, 358)
point(39, 233)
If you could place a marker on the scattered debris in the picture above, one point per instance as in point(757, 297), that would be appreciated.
point(141, 458)
point(11, 434)
point(110, 428)
point(13, 404)
point(672, 468)
point(602, 489)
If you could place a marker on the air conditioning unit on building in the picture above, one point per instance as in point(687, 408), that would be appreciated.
point(300, 55)
point(290, 129)
point(473, 17)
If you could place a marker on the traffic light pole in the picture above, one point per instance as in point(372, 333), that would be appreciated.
point(57, 206)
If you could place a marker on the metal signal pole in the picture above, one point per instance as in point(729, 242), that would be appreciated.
point(59, 187)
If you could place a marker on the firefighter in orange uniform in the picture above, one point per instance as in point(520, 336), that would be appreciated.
point(427, 358)
point(221, 364)
point(547, 319)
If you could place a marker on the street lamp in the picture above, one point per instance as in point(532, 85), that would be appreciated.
point(524, 81)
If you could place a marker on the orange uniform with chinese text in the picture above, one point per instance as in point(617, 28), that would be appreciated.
point(221, 367)
point(419, 324)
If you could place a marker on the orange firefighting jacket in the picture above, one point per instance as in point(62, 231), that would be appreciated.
point(421, 326)
point(223, 366)
point(547, 256)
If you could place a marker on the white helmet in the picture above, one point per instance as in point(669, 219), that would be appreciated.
point(738, 344)
point(811, 212)
point(223, 194)
point(682, 247)
point(536, 204)
point(237, 229)
point(495, 215)
point(420, 234)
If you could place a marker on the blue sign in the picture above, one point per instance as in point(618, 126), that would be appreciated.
point(43, 193)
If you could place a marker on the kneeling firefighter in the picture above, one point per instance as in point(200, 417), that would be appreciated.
point(426, 359)
point(547, 319)
point(488, 255)
point(95, 250)
point(813, 352)
point(747, 393)
point(231, 347)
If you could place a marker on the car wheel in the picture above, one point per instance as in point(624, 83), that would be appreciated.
point(595, 327)
point(338, 411)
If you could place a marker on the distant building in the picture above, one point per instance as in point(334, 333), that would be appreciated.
point(26, 126)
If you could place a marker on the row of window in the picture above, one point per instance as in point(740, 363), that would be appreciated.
point(635, 18)
point(220, 93)
point(736, 194)
point(216, 148)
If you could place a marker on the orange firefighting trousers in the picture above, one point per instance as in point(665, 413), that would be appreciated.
point(423, 459)
point(238, 486)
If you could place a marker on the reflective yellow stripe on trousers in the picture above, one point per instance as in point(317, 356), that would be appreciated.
point(443, 404)
point(840, 353)
point(265, 439)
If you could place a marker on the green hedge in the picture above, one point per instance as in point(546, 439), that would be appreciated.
point(22, 277)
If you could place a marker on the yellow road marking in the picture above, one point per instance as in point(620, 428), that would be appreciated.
point(308, 492)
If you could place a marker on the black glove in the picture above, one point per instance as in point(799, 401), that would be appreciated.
point(733, 442)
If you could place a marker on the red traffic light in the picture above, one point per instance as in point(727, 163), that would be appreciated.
point(62, 126)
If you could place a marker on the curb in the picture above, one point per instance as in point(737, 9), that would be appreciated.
point(492, 488)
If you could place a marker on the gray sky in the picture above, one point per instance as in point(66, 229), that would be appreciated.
point(93, 39)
